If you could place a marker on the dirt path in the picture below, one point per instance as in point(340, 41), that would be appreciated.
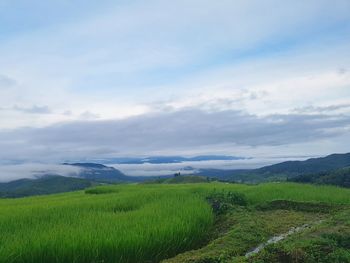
point(279, 238)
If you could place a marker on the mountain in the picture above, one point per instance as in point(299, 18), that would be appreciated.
point(41, 186)
point(90, 165)
point(313, 165)
point(326, 170)
point(106, 174)
point(102, 173)
point(281, 171)
point(339, 177)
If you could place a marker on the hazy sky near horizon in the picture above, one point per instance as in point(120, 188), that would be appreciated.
point(98, 79)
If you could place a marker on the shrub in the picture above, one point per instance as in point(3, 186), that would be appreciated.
point(222, 201)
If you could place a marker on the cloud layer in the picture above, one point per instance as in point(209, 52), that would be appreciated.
point(12, 172)
point(186, 130)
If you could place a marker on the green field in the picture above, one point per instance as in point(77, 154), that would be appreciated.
point(138, 223)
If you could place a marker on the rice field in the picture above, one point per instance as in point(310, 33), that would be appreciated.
point(127, 223)
point(127, 226)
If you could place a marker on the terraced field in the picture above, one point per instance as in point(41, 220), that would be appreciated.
point(213, 222)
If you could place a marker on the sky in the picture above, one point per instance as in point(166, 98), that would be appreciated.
point(100, 79)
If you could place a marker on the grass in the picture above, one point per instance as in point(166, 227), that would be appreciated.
point(250, 228)
point(129, 226)
point(328, 242)
point(143, 223)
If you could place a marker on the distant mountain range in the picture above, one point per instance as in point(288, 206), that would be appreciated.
point(330, 169)
point(90, 174)
point(313, 165)
point(102, 173)
point(281, 171)
point(106, 174)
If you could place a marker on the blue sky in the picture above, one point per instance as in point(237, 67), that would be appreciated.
point(231, 77)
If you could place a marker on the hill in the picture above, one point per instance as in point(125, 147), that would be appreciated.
point(339, 177)
point(281, 171)
point(313, 165)
point(186, 179)
point(181, 179)
point(42, 186)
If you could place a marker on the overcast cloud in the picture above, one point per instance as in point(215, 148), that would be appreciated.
point(168, 132)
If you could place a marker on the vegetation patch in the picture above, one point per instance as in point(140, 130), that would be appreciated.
point(222, 201)
point(102, 190)
point(247, 230)
point(179, 179)
point(328, 242)
point(340, 177)
point(299, 206)
point(246, 226)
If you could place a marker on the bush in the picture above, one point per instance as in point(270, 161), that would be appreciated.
point(101, 190)
point(222, 201)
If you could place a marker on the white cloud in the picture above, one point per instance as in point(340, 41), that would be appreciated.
point(148, 169)
point(102, 63)
point(32, 170)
